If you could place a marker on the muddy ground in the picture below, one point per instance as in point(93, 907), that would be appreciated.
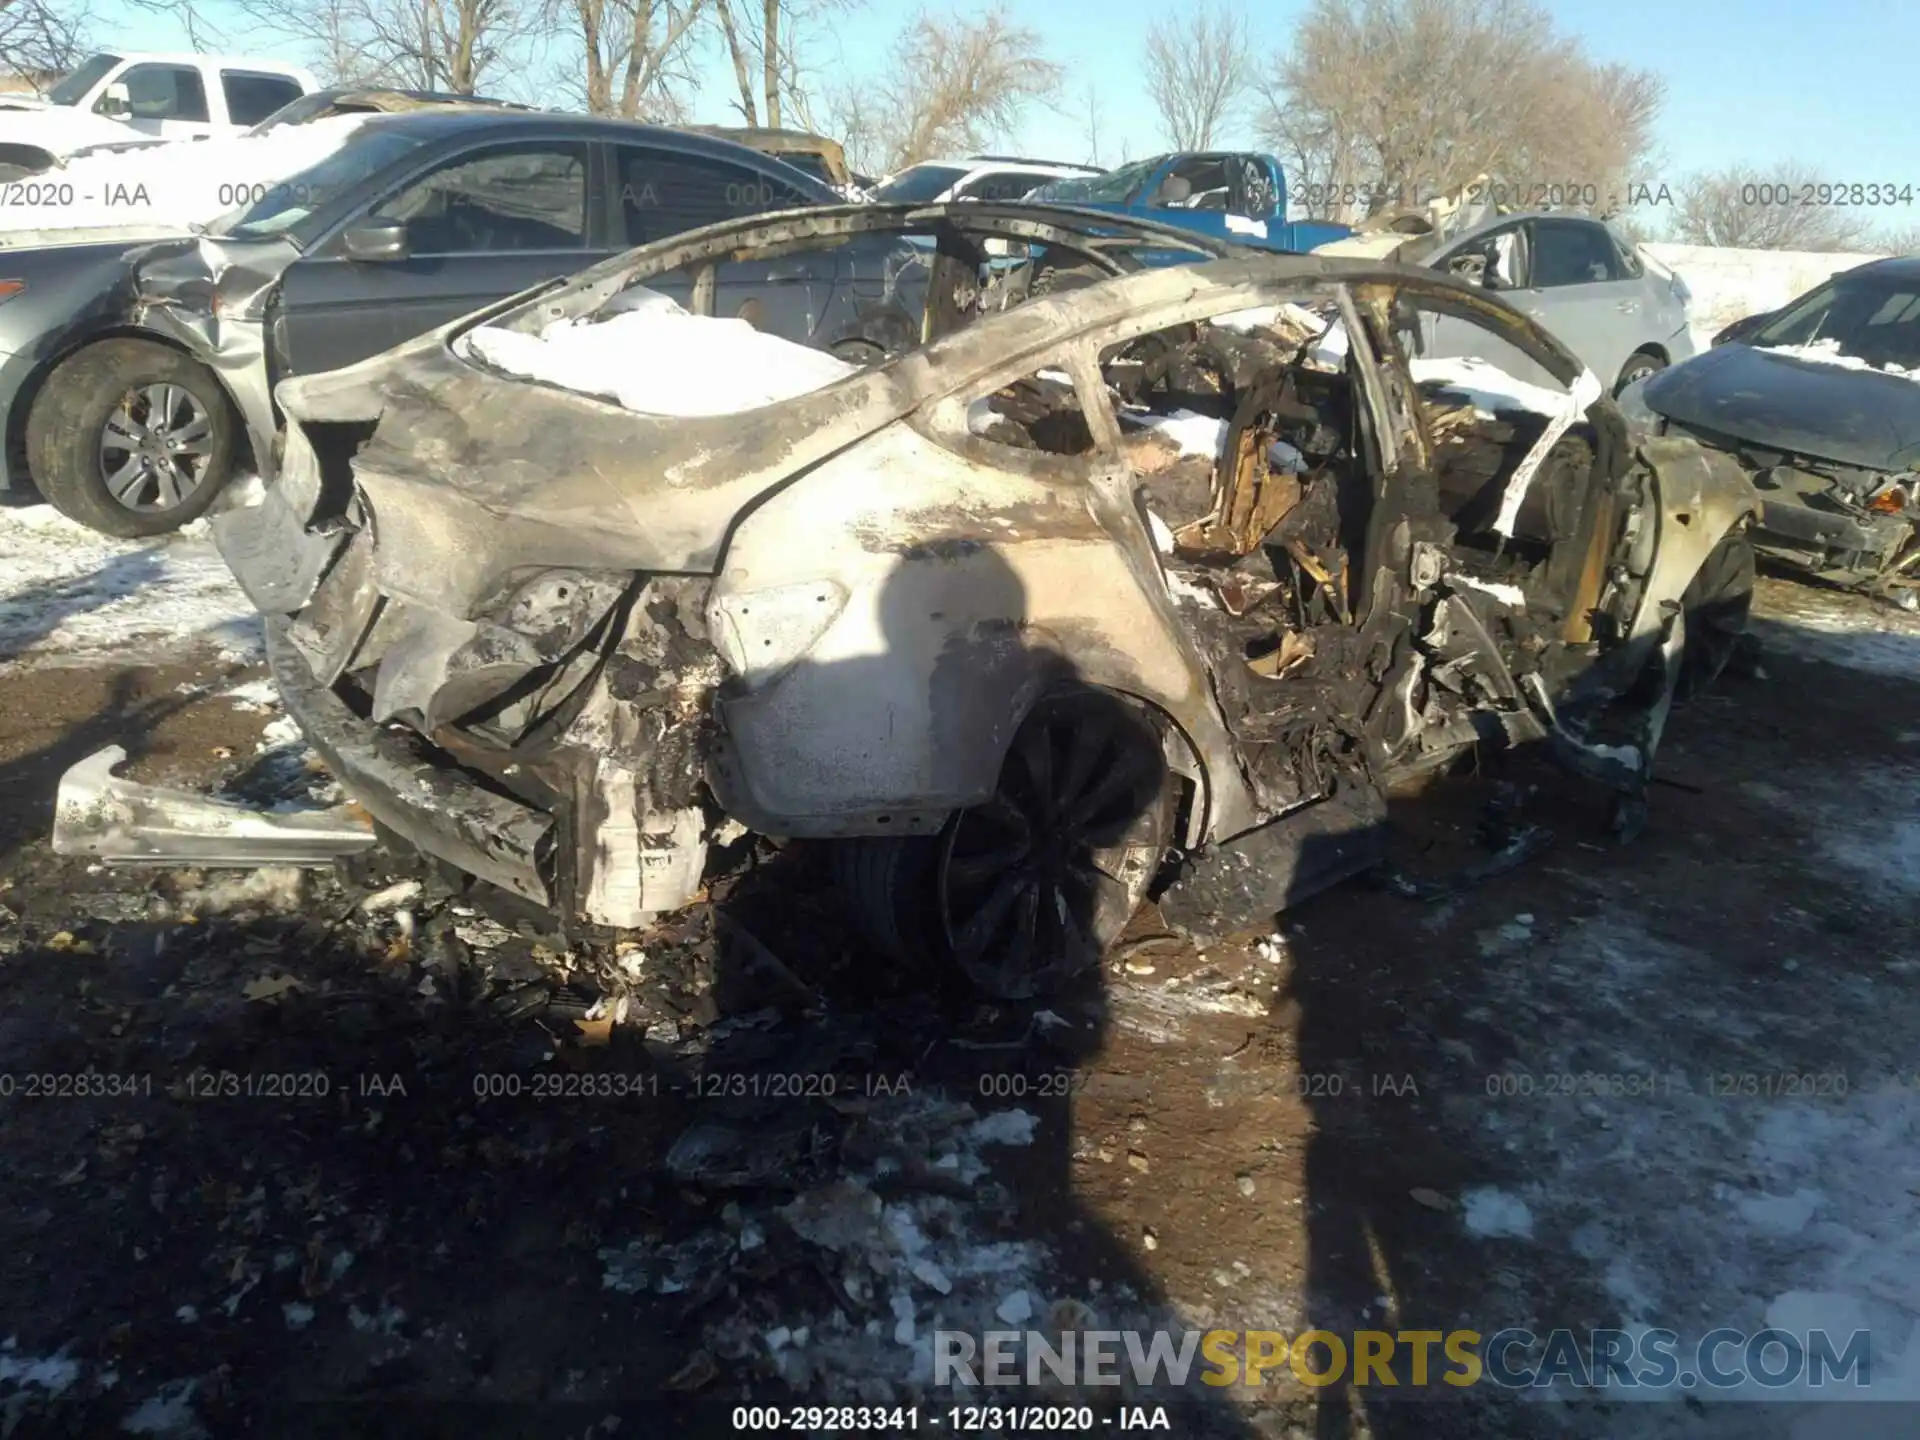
point(381, 1173)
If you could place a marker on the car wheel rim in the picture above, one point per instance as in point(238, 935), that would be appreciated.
point(156, 447)
point(1034, 884)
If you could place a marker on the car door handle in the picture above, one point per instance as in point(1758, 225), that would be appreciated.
point(1628, 307)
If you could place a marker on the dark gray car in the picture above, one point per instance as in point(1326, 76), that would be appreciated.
point(136, 377)
point(1820, 400)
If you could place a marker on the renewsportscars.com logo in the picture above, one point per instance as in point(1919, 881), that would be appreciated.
point(1722, 1360)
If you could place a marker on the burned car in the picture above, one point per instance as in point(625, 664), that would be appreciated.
point(1820, 402)
point(1146, 589)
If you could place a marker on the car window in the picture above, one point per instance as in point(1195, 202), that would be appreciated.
point(1494, 260)
point(664, 193)
point(252, 97)
point(1003, 185)
point(1112, 188)
point(1871, 319)
point(531, 196)
point(1196, 184)
point(73, 89)
point(918, 184)
point(1573, 252)
point(165, 92)
point(291, 203)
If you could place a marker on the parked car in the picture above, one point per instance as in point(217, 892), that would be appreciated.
point(1615, 307)
point(1238, 196)
point(134, 377)
point(371, 100)
point(816, 154)
point(983, 177)
point(1820, 402)
point(962, 615)
point(112, 97)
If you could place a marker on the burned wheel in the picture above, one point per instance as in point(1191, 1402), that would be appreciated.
point(1029, 889)
point(1034, 885)
point(1716, 606)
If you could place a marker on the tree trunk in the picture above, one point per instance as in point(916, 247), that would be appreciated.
point(770, 59)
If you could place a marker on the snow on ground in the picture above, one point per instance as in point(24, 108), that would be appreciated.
point(700, 365)
point(1697, 1208)
point(69, 594)
point(181, 183)
point(1822, 624)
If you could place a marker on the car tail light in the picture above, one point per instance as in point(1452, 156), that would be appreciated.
point(10, 288)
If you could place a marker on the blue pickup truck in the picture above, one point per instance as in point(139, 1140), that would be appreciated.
point(1234, 195)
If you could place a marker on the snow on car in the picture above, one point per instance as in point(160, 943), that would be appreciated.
point(173, 185)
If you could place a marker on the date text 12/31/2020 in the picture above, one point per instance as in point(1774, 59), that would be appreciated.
point(960, 1419)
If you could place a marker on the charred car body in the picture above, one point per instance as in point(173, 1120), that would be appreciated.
point(1820, 401)
point(968, 614)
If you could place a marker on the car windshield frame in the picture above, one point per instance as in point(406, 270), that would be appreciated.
point(1113, 187)
point(1855, 300)
point(898, 190)
point(74, 88)
point(291, 206)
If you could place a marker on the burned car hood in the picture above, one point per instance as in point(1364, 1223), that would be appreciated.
point(1804, 407)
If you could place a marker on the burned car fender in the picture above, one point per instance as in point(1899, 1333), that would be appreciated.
point(1702, 495)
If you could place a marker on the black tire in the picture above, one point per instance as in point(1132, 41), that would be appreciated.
point(1639, 366)
point(1082, 817)
point(1716, 607)
point(67, 430)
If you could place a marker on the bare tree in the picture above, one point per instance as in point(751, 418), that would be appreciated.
point(951, 84)
point(767, 41)
point(1390, 102)
point(1199, 68)
point(1093, 113)
point(39, 39)
point(1761, 208)
point(632, 52)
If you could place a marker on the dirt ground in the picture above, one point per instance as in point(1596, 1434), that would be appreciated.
point(271, 1164)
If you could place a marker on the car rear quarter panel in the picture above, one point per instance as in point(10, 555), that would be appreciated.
point(882, 668)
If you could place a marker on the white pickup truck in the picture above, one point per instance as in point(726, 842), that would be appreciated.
point(113, 98)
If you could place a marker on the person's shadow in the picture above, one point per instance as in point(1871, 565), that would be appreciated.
point(969, 957)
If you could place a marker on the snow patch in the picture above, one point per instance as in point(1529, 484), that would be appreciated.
point(656, 358)
point(1486, 387)
point(1493, 1214)
point(1828, 352)
point(68, 593)
point(1193, 434)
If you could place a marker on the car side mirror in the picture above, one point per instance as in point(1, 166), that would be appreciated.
point(378, 240)
point(116, 99)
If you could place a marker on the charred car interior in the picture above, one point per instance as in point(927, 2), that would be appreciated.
point(1150, 585)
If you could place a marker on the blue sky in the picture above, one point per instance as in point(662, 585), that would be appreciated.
point(1828, 82)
